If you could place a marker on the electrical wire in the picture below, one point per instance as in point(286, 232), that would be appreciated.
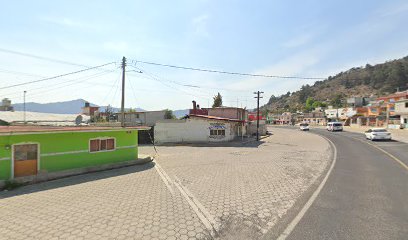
point(224, 72)
point(81, 81)
point(41, 58)
point(58, 76)
point(156, 78)
point(60, 83)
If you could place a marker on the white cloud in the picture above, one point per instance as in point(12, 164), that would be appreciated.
point(298, 41)
point(293, 65)
point(394, 10)
point(200, 25)
point(118, 46)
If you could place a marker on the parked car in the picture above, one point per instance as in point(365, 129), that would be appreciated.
point(334, 126)
point(304, 127)
point(378, 134)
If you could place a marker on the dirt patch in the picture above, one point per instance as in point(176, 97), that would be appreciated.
point(238, 228)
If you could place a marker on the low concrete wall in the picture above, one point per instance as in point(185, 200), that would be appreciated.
point(44, 176)
point(252, 129)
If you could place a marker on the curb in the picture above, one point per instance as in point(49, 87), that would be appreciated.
point(44, 177)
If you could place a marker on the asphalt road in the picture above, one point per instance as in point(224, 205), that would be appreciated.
point(365, 196)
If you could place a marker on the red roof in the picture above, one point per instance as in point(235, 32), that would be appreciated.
point(216, 118)
point(11, 129)
point(394, 95)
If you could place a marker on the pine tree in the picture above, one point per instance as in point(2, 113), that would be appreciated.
point(217, 100)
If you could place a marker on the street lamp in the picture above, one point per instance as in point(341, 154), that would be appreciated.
point(24, 107)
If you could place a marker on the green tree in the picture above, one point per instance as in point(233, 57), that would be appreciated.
point(168, 114)
point(337, 101)
point(309, 103)
point(217, 100)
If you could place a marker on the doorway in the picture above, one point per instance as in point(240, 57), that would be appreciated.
point(25, 159)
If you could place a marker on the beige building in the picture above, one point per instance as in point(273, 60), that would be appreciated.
point(401, 109)
point(228, 112)
point(146, 118)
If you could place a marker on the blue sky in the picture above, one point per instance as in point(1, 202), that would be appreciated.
point(297, 38)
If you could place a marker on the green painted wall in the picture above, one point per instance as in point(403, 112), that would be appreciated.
point(59, 142)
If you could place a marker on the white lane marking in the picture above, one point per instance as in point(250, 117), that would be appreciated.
point(165, 178)
point(309, 203)
point(199, 211)
point(392, 145)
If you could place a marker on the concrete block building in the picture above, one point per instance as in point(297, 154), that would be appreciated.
point(33, 151)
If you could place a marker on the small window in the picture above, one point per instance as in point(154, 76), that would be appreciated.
point(213, 132)
point(97, 145)
point(406, 105)
point(221, 132)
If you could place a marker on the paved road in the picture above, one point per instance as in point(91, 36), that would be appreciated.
point(221, 191)
point(366, 195)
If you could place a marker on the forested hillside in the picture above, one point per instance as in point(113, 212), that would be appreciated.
point(369, 80)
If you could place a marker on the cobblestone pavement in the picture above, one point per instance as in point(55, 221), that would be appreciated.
point(190, 192)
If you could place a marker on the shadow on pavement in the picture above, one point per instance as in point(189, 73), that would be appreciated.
point(74, 180)
point(248, 144)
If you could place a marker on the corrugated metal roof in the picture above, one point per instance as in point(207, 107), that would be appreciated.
point(41, 118)
point(216, 118)
point(29, 129)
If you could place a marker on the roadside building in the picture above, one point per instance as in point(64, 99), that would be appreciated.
point(6, 105)
point(401, 109)
point(142, 118)
point(284, 118)
point(198, 128)
point(253, 116)
point(197, 110)
point(314, 118)
point(46, 119)
point(89, 110)
point(228, 112)
point(356, 102)
point(36, 152)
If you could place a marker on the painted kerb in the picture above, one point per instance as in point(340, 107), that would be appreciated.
point(69, 150)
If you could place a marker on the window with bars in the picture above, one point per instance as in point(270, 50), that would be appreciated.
point(217, 132)
point(102, 144)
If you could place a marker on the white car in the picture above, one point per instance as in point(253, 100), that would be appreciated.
point(378, 134)
point(304, 127)
point(334, 126)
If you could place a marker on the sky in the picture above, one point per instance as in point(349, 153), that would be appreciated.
point(309, 38)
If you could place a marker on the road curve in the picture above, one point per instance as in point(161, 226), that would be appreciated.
point(365, 196)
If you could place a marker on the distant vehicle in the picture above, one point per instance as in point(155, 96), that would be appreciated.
point(335, 126)
point(304, 127)
point(378, 134)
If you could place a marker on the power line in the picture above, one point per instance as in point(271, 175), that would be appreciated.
point(192, 86)
point(226, 72)
point(54, 77)
point(41, 58)
point(155, 78)
point(71, 82)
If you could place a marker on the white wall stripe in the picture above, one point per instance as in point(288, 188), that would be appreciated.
point(5, 159)
point(83, 151)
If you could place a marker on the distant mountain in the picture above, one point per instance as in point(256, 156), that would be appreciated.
point(67, 107)
point(364, 81)
point(181, 113)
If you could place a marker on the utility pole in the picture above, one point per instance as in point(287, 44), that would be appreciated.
point(257, 113)
point(122, 105)
point(24, 107)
